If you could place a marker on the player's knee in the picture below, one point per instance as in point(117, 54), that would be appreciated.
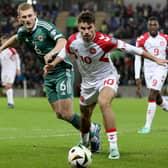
point(58, 115)
point(61, 115)
point(103, 103)
point(8, 87)
point(153, 95)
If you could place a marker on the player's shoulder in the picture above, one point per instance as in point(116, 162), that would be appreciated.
point(9, 51)
point(143, 37)
point(73, 37)
point(45, 24)
point(12, 50)
point(21, 30)
point(101, 37)
point(163, 35)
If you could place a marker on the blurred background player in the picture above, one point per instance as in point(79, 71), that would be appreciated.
point(155, 43)
point(91, 51)
point(10, 67)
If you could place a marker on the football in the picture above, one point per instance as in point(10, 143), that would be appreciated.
point(79, 157)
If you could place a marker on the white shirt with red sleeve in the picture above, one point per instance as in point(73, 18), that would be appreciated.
point(93, 58)
point(156, 46)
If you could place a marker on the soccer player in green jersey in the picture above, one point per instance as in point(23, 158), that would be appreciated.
point(45, 40)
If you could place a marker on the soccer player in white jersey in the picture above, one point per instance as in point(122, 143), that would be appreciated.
point(10, 67)
point(91, 51)
point(155, 43)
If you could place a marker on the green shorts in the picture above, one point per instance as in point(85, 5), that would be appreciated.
point(59, 86)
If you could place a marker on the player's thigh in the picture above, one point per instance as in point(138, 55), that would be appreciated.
point(156, 80)
point(63, 107)
point(7, 78)
point(106, 95)
point(59, 87)
point(87, 110)
point(88, 96)
point(110, 81)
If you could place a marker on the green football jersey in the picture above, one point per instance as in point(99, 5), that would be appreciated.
point(41, 40)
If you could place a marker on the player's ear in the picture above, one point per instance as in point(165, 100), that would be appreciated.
point(158, 25)
point(78, 28)
point(95, 27)
point(18, 19)
point(35, 13)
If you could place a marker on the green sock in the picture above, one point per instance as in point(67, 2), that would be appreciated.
point(75, 120)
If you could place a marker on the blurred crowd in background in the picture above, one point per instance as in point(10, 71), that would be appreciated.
point(125, 22)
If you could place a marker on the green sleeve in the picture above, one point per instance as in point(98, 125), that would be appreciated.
point(54, 33)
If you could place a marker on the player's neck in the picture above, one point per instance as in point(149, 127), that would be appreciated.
point(153, 35)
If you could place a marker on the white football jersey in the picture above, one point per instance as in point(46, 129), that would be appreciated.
point(156, 46)
point(93, 58)
point(10, 61)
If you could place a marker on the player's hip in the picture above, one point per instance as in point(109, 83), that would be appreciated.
point(90, 90)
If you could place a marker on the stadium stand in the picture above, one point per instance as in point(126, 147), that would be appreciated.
point(123, 20)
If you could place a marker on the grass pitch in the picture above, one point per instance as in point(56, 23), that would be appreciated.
point(32, 137)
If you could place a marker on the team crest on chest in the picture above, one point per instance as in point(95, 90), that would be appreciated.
point(92, 50)
point(40, 38)
point(162, 43)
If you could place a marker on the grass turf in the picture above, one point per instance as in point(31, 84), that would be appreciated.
point(32, 137)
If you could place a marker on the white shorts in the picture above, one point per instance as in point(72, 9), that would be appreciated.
point(8, 77)
point(89, 96)
point(155, 79)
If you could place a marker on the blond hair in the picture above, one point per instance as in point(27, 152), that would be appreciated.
point(24, 6)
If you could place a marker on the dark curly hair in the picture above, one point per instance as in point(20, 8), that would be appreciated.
point(86, 16)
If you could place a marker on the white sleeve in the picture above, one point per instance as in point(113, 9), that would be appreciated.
point(17, 61)
point(129, 48)
point(62, 54)
point(137, 66)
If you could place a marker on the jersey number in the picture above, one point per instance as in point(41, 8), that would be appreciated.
point(62, 86)
point(88, 59)
point(154, 82)
point(156, 51)
point(109, 82)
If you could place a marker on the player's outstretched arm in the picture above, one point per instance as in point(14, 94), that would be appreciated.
point(139, 51)
point(155, 59)
point(12, 41)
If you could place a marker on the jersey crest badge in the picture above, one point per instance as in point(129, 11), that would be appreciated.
point(162, 43)
point(40, 38)
point(92, 50)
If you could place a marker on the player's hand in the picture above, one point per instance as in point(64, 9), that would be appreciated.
point(18, 72)
point(162, 62)
point(47, 58)
point(139, 83)
point(48, 67)
point(139, 88)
